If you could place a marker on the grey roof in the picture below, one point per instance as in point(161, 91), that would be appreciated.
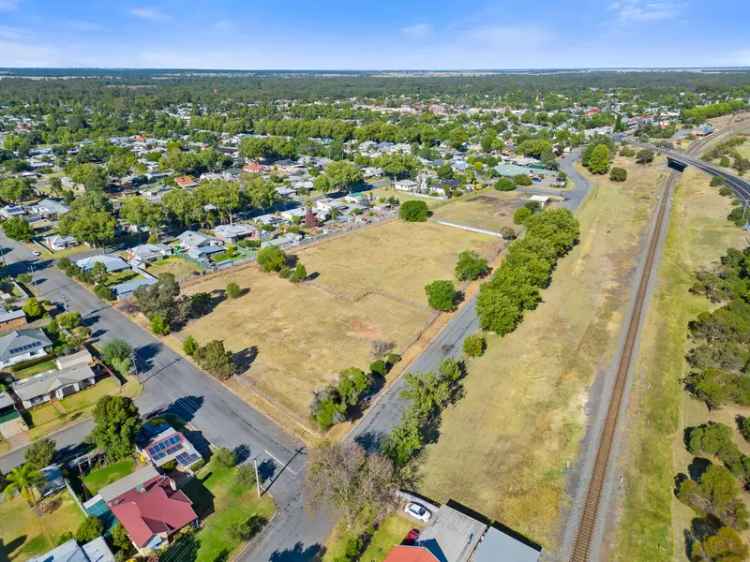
point(191, 239)
point(8, 315)
point(94, 551)
point(82, 357)
point(53, 206)
point(130, 286)
point(497, 545)
point(232, 230)
point(129, 482)
point(5, 400)
point(145, 251)
point(19, 341)
point(452, 536)
point(50, 381)
point(112, 263)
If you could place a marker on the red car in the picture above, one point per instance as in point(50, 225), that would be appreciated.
point(411, 537)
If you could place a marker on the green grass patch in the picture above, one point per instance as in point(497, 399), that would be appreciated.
point(23, 533)
point(698, 235)
point(35, 369)
point(391, 532)
point(223, 502)
point(120, 277)
point(100, 477)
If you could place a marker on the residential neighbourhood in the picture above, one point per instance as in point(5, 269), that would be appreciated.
point(378, 316)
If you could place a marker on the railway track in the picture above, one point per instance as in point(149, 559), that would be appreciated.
point(590, 513)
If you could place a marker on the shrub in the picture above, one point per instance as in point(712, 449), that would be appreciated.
point(33, 309)
point(271, 259)
point(215, 359)
point(246, 476)
point(618, 174)
point(246, 530)
point(442, 295)
point(299, 273)
point(379, 368)
point(521, 215)
point(169, 466)
point(103, 292)
point(508, 233)
point(414, 211)
point(197, 465)
point(91, 528)
point(726, 191)
point(522, 179)
point(189, 346)
point(233, 290)
point(159, 325)
point(475, 345)
point(716, 181)
point(225, 457)
point(505, 184)
point(645, 156)
point(471, 266)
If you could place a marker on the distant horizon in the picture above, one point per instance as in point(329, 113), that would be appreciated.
point(385, 69)
point(427, 35)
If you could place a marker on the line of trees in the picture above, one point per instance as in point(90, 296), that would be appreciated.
point(515, 286)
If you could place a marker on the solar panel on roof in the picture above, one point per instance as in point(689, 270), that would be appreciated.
point(186, 459)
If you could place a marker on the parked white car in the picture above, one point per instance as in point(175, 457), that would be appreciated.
point(418, 511)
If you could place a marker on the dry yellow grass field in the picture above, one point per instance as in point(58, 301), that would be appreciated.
point(370, 286)
point(698, 235)
point(504, 448)
point(487, 209)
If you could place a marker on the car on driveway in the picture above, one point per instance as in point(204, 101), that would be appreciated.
point(36, 254)
point(417, 511)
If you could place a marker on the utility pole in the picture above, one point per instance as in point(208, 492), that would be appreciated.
point(257, 477)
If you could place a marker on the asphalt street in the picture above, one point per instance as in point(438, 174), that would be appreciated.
point(221, 418)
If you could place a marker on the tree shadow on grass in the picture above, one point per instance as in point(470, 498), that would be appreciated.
point(244, 359)
point(202, 498)
point(7, 549)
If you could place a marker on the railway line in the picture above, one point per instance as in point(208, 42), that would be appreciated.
point(592, 511)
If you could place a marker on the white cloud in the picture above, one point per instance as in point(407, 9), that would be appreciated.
point(146, 13)
point(644, 11)
point(8, 5)
point(417, 31)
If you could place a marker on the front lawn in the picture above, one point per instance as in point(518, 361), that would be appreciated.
point(23, 533)
point(389, 533)
point(222, 502)
point(52, 416)
point(100, 477)
point(35, 369)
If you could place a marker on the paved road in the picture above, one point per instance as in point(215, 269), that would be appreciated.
point(170, 383)
point(386, 412)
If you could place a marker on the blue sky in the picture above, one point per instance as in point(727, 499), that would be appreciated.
point(366, 34)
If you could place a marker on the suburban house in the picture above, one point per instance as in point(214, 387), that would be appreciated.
point(11, 422)
point(197, 245)
point(57, 242)
point(11, 319)
point(112, 263)
point(405, 185)
point(147, 253)
point(53, 385)
point(152, 511)
point(23, 345)
point(10, 211)
point(231, 233)
point(94, 551)
point(253, 168)
point(50, 209)
point(455, 534)
point(185, 181)
point(161, 444)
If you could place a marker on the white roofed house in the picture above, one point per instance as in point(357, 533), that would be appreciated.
point(231, 233)
point(147, 253)
point(50, 209)
point(53, 385)
point(58, 242)
point(199, 246)
point(23, 345)
point(405, 185)
point(112, 263)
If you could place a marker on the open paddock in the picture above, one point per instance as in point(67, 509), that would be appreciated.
point(366, 286)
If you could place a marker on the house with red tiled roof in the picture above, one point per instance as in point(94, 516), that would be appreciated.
point(253, 168)
point(405, 553)
point(152, 512)
point(185, 181)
